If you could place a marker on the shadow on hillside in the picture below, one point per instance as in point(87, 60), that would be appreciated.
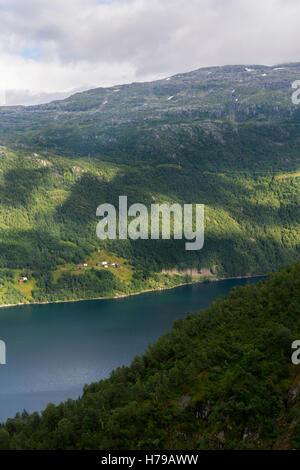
point(234, 251)
point(19, 184)
point(36, 250)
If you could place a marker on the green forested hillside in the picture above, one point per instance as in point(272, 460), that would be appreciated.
point(226, 137)
point(220, 379)
point(48, 222)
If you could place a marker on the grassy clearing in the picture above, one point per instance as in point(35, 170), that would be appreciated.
point(26, 287)
point(288, 175)
point(169, 165)
point(124, 272)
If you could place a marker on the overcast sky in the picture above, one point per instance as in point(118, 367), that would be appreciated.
point(49, 48)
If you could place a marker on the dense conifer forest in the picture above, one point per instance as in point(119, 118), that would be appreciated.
point(222, 378)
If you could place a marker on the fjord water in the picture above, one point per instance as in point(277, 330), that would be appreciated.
point(54, 349)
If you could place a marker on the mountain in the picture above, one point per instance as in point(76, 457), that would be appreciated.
point(220, 379)
point(226, 137)
point(200, 119)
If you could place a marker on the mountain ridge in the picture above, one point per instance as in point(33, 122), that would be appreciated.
point(240, 67)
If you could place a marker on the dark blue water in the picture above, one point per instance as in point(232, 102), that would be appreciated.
point(54, 349)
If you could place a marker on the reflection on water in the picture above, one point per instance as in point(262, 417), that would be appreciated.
point(54, 349)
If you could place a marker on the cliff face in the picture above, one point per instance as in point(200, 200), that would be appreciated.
point(204, 272)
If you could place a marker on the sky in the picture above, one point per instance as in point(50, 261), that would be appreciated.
point(51, 48)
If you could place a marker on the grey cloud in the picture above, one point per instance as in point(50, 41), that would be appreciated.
point(143, 39)
point(26, 97)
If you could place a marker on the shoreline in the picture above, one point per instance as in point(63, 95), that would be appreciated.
point(147, 291)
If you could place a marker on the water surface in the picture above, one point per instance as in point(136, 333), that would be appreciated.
point(54, 349)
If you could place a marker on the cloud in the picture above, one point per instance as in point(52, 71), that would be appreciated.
point(49, 48)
